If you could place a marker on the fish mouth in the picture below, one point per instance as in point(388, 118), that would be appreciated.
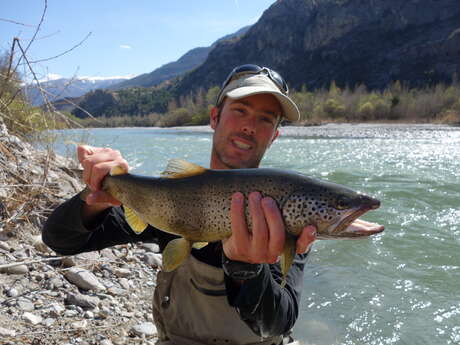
point(353, 227)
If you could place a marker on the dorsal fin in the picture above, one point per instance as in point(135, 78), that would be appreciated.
point(117, 170)
point(178, 168)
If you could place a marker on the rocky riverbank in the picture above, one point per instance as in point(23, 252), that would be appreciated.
point(88, 299)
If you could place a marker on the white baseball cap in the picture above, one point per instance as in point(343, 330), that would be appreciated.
point(248, 84)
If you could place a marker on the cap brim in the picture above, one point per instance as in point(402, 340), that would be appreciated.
point(290, 110)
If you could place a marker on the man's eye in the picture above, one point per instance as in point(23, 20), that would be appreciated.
point(268, 120)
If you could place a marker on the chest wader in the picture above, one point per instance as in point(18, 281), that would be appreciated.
point(190, 308)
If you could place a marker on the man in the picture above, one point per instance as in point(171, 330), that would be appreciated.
point(225, 293)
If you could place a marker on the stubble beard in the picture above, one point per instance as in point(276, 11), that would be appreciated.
point(229, 163)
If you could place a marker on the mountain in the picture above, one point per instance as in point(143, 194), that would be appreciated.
point(315, 42)
point(58, 87)
point(185, 63)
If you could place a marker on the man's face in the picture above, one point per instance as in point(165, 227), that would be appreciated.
point(244, 130)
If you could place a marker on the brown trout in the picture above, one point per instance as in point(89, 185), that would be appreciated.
point(194, 203)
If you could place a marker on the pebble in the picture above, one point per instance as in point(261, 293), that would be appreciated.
point(114, 291)
point(70, 313)
point(144, 329)
point(150, 247)
point(88, 315)
point(32, 318)
point(48, 322)
point(25, 305)
point(12, 292)
point(125, 283)
point(80, 259)
point(5, 332)
point(19, 269)
point(81, 300)
point(56, 309)
point(122, 272)
point(5, 246)
point(79, 324)
point(106, 342)
point(153, 259)
point(38, 244)
point(83, 279)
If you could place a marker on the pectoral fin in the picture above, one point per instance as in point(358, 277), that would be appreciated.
point(287, 257)
point(199, 245)
point(134, 221)
point(175, 253)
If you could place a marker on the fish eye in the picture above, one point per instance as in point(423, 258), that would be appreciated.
point(342, 203)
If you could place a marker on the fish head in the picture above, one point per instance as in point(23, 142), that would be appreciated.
point(332, 208)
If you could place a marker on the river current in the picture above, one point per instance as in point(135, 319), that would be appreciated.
point(398, 287)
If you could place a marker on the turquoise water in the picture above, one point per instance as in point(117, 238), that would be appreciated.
point(399, 287)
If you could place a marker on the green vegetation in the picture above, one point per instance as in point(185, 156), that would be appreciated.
point(20, 118)
point(159, 106)
point(440, 103)
point(190, 110)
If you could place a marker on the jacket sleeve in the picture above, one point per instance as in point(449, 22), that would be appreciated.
point(266, 307)
point(65, 233)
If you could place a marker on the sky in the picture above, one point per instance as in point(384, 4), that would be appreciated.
point(123, 38)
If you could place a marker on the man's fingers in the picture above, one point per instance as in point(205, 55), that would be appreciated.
point(275, 228)
point(98, 172)
point(306, 239)
point(260, 235)
point(239, 226)
point(83, 151)
point(97, 163)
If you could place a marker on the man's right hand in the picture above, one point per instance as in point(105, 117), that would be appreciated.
point(97, 163)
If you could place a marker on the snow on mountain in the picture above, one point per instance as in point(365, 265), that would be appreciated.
point(56, 87)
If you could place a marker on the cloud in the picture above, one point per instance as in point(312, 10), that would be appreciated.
point(125, 46)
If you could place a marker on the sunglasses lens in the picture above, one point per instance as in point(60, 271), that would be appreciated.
point(246, 68)
point(278, 79)
point(255, 69)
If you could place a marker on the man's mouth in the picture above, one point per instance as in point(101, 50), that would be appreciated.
point(241, 145)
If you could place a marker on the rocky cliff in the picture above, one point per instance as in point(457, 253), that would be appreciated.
point(313, 42)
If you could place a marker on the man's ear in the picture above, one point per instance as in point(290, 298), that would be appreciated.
point(277, 133)
point(214, 117)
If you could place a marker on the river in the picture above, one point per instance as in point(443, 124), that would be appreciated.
point(399, 287)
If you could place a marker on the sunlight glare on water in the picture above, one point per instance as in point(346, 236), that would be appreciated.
point(399, 287)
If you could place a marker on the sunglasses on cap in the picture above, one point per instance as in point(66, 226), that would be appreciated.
point(242, 70)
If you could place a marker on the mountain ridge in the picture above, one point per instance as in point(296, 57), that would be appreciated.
point(312, 43)
point(185, 63)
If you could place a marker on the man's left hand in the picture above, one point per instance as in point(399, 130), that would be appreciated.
point(265, 243)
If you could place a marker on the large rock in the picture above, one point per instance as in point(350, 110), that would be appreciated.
point(83, 279)
point(147, 329)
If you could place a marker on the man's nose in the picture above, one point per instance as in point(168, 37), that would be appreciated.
point(249, 128)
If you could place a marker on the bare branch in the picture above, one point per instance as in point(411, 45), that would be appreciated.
point(30, 262)
point(14, 22)
point(63, 53)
